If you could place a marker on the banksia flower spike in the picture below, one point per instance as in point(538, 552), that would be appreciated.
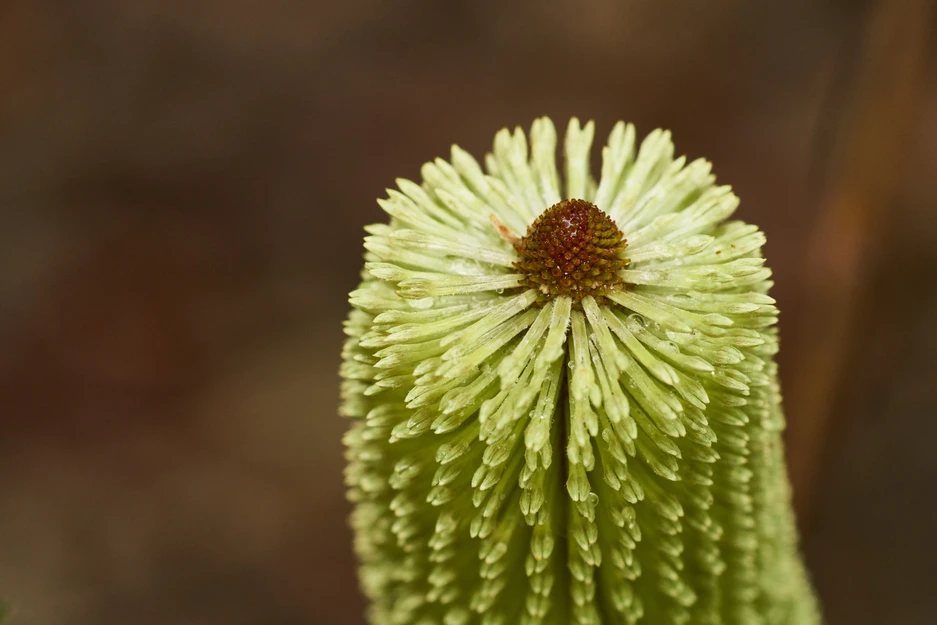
point(564, 403)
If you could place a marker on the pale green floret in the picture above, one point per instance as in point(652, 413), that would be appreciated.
point(602, 461)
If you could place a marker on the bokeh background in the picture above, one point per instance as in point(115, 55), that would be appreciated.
point(183, 185)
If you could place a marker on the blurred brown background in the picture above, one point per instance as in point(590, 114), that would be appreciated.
point(183, 186)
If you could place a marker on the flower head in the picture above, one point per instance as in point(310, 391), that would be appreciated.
point(548, 430)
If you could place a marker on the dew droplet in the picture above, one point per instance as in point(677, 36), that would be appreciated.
point(636, 323)
point(422, 304)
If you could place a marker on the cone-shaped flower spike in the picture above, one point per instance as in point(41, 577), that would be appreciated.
point(564, 400)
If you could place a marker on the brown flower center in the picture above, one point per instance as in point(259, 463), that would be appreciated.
point(572, 249)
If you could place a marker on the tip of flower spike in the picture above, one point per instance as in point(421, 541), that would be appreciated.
point(572, 249)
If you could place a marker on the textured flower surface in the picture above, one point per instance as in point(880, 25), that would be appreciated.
point(564, 401)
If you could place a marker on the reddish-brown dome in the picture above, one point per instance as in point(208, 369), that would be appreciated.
point(572, 249)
